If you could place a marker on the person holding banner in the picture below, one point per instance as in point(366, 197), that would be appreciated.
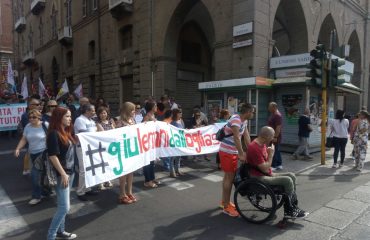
point(148, 170)
point(231, 150)
point(84, 123)
point(175, 161)
point(127, 118)
point(60, 144)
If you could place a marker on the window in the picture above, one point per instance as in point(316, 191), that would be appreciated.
point(92, 50)
point(69, 59)
point(68, 6)
point(191, 52)
point(126, 37)
point(84, 8)
point(94, 4)
point(92, 86)
point(53, 17)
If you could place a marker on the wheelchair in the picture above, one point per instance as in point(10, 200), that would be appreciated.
point(256, 201)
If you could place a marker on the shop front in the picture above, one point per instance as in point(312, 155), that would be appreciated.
point(229, 94)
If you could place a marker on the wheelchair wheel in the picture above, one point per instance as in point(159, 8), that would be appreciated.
point(255, 201)
point(279, 200)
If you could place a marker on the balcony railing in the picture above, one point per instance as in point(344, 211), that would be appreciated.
point(65, 35)
point(28, 58)
point(119, 8)
point(37, 6)
point(20, 24)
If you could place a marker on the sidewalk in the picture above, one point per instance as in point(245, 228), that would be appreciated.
point(314, 168)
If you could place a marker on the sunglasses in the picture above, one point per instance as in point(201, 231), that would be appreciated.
point(35, 104)
point(52, 105)
point(32, 117)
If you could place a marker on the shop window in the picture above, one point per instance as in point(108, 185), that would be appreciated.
point(191, 52)
point(126, 37)
point(84, 8)
point(92, 50)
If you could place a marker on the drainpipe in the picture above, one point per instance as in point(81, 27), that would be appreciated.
point(365, 73)
point(99, 52)
point(151, 47)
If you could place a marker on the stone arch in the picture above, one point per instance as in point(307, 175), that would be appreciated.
point(181, 76)
point(324, 35)
point(355, 56)
point(289, 29)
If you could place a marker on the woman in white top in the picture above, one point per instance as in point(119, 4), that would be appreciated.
point(339, 131)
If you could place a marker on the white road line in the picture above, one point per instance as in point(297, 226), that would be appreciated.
point(11, 222)
point(6, 152)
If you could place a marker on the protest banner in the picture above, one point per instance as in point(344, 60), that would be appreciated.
point(10, 115)
point(110, 154)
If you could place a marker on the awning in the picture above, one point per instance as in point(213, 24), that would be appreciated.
point(290, 80)
point(350, 88)
point(239, 83)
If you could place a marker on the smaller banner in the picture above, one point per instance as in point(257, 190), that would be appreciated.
point(10, 115)
point(110, 154)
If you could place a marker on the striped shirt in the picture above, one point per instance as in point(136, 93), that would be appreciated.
point(227, 144)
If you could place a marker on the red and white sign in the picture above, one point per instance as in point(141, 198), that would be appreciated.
point(10, 115)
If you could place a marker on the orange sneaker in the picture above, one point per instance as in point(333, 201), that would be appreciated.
point(222, 204)
point(231, 211)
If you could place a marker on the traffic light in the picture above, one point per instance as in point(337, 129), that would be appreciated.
point(316, 65)
point(336, 74)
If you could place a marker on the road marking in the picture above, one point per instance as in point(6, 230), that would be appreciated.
point(6, 152)
point(11, 222)
point(179, 186)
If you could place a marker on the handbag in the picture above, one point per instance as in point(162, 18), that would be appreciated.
point(51, 175)
point(329, 141)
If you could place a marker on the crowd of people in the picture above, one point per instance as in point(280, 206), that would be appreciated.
point(51, 129)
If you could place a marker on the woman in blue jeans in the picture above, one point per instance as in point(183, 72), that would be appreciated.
point(60, 144)
point(339, 130)
point(35, 135)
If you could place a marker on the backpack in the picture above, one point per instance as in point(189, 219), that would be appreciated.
point(220, 135)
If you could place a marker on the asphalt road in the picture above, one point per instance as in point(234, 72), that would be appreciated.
point(185, 208)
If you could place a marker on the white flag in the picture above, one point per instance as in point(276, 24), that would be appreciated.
point(42, 89)
point(64, 89)
point(78, 91)
point(10, 78)
point(24, 90)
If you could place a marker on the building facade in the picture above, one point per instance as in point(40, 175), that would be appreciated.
point(126, 50)
point(6, 35)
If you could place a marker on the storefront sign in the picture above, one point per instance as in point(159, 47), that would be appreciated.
point(227, 83)
point(290, 72)
point(242, 29)
point(290, 61)
point(244, 43)
point(10, 115)
point(111, 154)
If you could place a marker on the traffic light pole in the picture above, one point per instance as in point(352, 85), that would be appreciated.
point(323, 113)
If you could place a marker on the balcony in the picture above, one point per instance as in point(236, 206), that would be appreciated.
point(37, 6)
point(20, 24)
point(65, 36)
point(119, 8)
point(29, 58)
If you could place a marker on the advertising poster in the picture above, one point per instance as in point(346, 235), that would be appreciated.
point(291, 104)
point(232, 105)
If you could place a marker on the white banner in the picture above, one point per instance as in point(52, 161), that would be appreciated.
point(10, 115)
point(110, 154)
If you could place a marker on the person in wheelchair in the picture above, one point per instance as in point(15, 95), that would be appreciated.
point(259, 158)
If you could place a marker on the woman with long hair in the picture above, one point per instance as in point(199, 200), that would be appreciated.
point(60, 145)
point(176, 161)
point(339, 131)
point(35, 135)
point(360, 138)
point(127, 118)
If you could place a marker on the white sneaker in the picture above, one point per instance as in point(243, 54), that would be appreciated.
point(26, 172)
point(279, 167)
point(34, 201)
point(335, 165)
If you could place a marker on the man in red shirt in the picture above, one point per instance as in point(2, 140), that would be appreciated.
point(260, 157)
point(231, 150)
